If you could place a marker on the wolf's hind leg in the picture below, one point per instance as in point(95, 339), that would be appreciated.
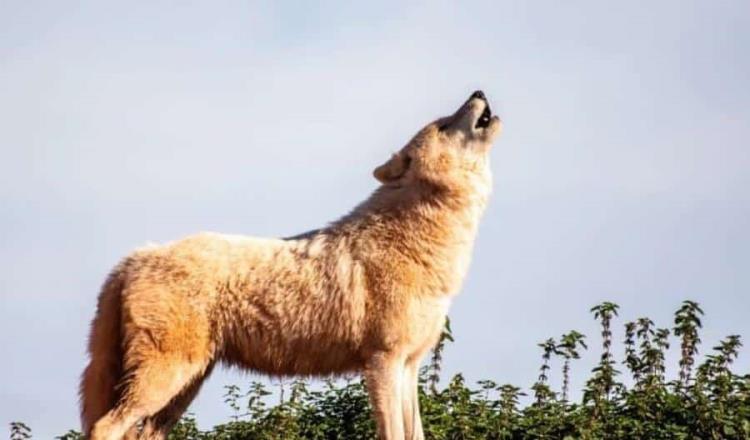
point(148, 388)
point(157, 427)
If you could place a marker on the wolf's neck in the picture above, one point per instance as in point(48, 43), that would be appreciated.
point(432, 216)
point(429, 219)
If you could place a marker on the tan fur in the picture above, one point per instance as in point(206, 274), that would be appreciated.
point(368, 293)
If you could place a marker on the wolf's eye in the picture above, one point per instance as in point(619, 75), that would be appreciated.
point(443, 127)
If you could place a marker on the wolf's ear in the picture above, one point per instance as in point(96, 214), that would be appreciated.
point(393, 169)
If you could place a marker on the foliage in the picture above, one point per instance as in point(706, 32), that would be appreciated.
point(19, 431)
point(706, 401)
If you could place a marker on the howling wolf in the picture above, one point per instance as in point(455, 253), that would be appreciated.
point(367, 293)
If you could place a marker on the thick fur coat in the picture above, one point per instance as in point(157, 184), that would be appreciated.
point(368, 293)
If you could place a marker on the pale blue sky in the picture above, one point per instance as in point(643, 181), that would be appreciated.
point(623, 172)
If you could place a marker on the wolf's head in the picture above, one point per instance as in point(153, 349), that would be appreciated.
point(450, 152)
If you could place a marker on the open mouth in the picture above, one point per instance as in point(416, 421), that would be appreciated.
point(484, 118)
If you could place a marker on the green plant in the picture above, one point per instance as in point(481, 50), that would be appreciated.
point(19, 431)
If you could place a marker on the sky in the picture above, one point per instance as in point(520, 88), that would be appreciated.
point(622, 173)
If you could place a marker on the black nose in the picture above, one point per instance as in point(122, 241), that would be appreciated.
point(479, 95)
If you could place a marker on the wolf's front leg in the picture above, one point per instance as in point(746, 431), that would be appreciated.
point(384, 377)
point(410, 400)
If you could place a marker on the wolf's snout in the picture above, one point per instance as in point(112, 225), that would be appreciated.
point(474, 114)
point(484, 119)
point(478, 95)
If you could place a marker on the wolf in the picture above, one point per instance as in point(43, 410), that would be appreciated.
point(368, 293)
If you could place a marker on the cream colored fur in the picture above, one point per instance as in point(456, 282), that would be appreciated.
point(368, 293)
